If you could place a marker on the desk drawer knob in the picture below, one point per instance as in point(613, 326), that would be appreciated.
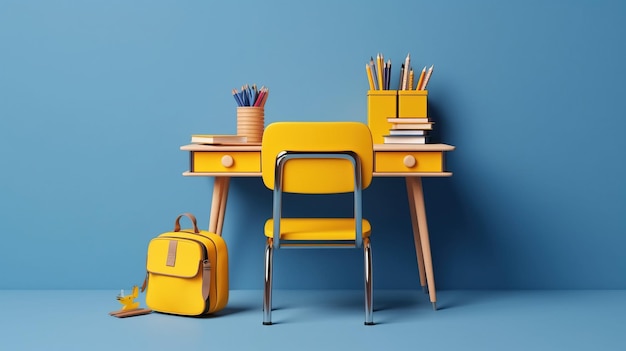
point(409, 161)
point(227, 161)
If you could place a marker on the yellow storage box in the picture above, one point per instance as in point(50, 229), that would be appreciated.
point(381, 104)
point(412, 103)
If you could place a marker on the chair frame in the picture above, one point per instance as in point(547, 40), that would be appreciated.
point(281, 159)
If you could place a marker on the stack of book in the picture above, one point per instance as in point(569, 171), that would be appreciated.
point(408, 130)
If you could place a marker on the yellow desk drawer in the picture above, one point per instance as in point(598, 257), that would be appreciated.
point(225, 161)
point(408, 161)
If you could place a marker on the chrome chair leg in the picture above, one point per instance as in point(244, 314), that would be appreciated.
point(369, 305)
point(267, 289)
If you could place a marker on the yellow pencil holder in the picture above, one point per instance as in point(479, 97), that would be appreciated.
point(251, 123)
point(381, 104)
point(412, 103)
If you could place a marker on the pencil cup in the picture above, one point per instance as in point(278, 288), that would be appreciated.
point(412, 103)
point(250, 123)
point(381, 104)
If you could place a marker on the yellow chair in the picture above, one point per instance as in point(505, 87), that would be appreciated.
point(317, 158)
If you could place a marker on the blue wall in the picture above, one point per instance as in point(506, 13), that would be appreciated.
point(97, 96)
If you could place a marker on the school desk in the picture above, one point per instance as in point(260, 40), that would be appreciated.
point(408, 161)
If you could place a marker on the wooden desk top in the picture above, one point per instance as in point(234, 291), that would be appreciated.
point(377, 147)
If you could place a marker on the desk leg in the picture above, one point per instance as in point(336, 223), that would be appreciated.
point(218, 204)
point(416, 235)
point(418, 213)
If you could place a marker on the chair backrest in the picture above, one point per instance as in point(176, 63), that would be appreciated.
point(317, 176)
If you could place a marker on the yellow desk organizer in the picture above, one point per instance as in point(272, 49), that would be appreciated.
point(412, 103)
point(382, 104)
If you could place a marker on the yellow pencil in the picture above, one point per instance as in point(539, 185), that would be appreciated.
point(370, 79)
point(379, 68)
point(411, 77)
point(421, 79)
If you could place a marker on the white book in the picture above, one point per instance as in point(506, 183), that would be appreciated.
point(407, 132)
point(404, 139)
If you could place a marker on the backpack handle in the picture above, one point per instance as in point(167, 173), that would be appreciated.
point(191, 217)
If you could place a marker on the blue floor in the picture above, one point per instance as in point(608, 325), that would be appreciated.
point(324, 320)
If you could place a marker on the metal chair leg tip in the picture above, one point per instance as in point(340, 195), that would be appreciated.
point(267, 323)
point(369, 323)
point(434, 306)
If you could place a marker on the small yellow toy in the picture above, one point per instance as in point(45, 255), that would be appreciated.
point(128, 301)
point(129, 306)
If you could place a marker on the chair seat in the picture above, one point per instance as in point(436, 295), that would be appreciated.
point(317, 229)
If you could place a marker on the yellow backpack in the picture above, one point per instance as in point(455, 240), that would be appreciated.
point(187, 271)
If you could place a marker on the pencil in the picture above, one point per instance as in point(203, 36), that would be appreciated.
point(369, 76)
point(427, 78)
point(373, 70)
point(379, 67)
point(261, 98)
point(236, 96)
point(407, 67)
point(401, 75)
point(267, 92)
point(421, 79)
point(388, 78)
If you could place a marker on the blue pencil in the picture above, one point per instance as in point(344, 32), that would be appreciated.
point(236, 96)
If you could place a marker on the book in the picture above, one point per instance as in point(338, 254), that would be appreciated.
point(421, 126)
point(408, 120)
point(218, 139)
point(404, 139)
point(407, 132)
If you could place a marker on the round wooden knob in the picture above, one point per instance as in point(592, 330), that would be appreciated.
point(409, 161)
point(227, 161)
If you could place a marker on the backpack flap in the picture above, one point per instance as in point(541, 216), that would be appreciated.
point(174, 257)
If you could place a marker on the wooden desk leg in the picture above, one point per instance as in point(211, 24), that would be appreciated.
point(416, 236)
point(415, 183)
point(224, 197)
point(218, 204)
